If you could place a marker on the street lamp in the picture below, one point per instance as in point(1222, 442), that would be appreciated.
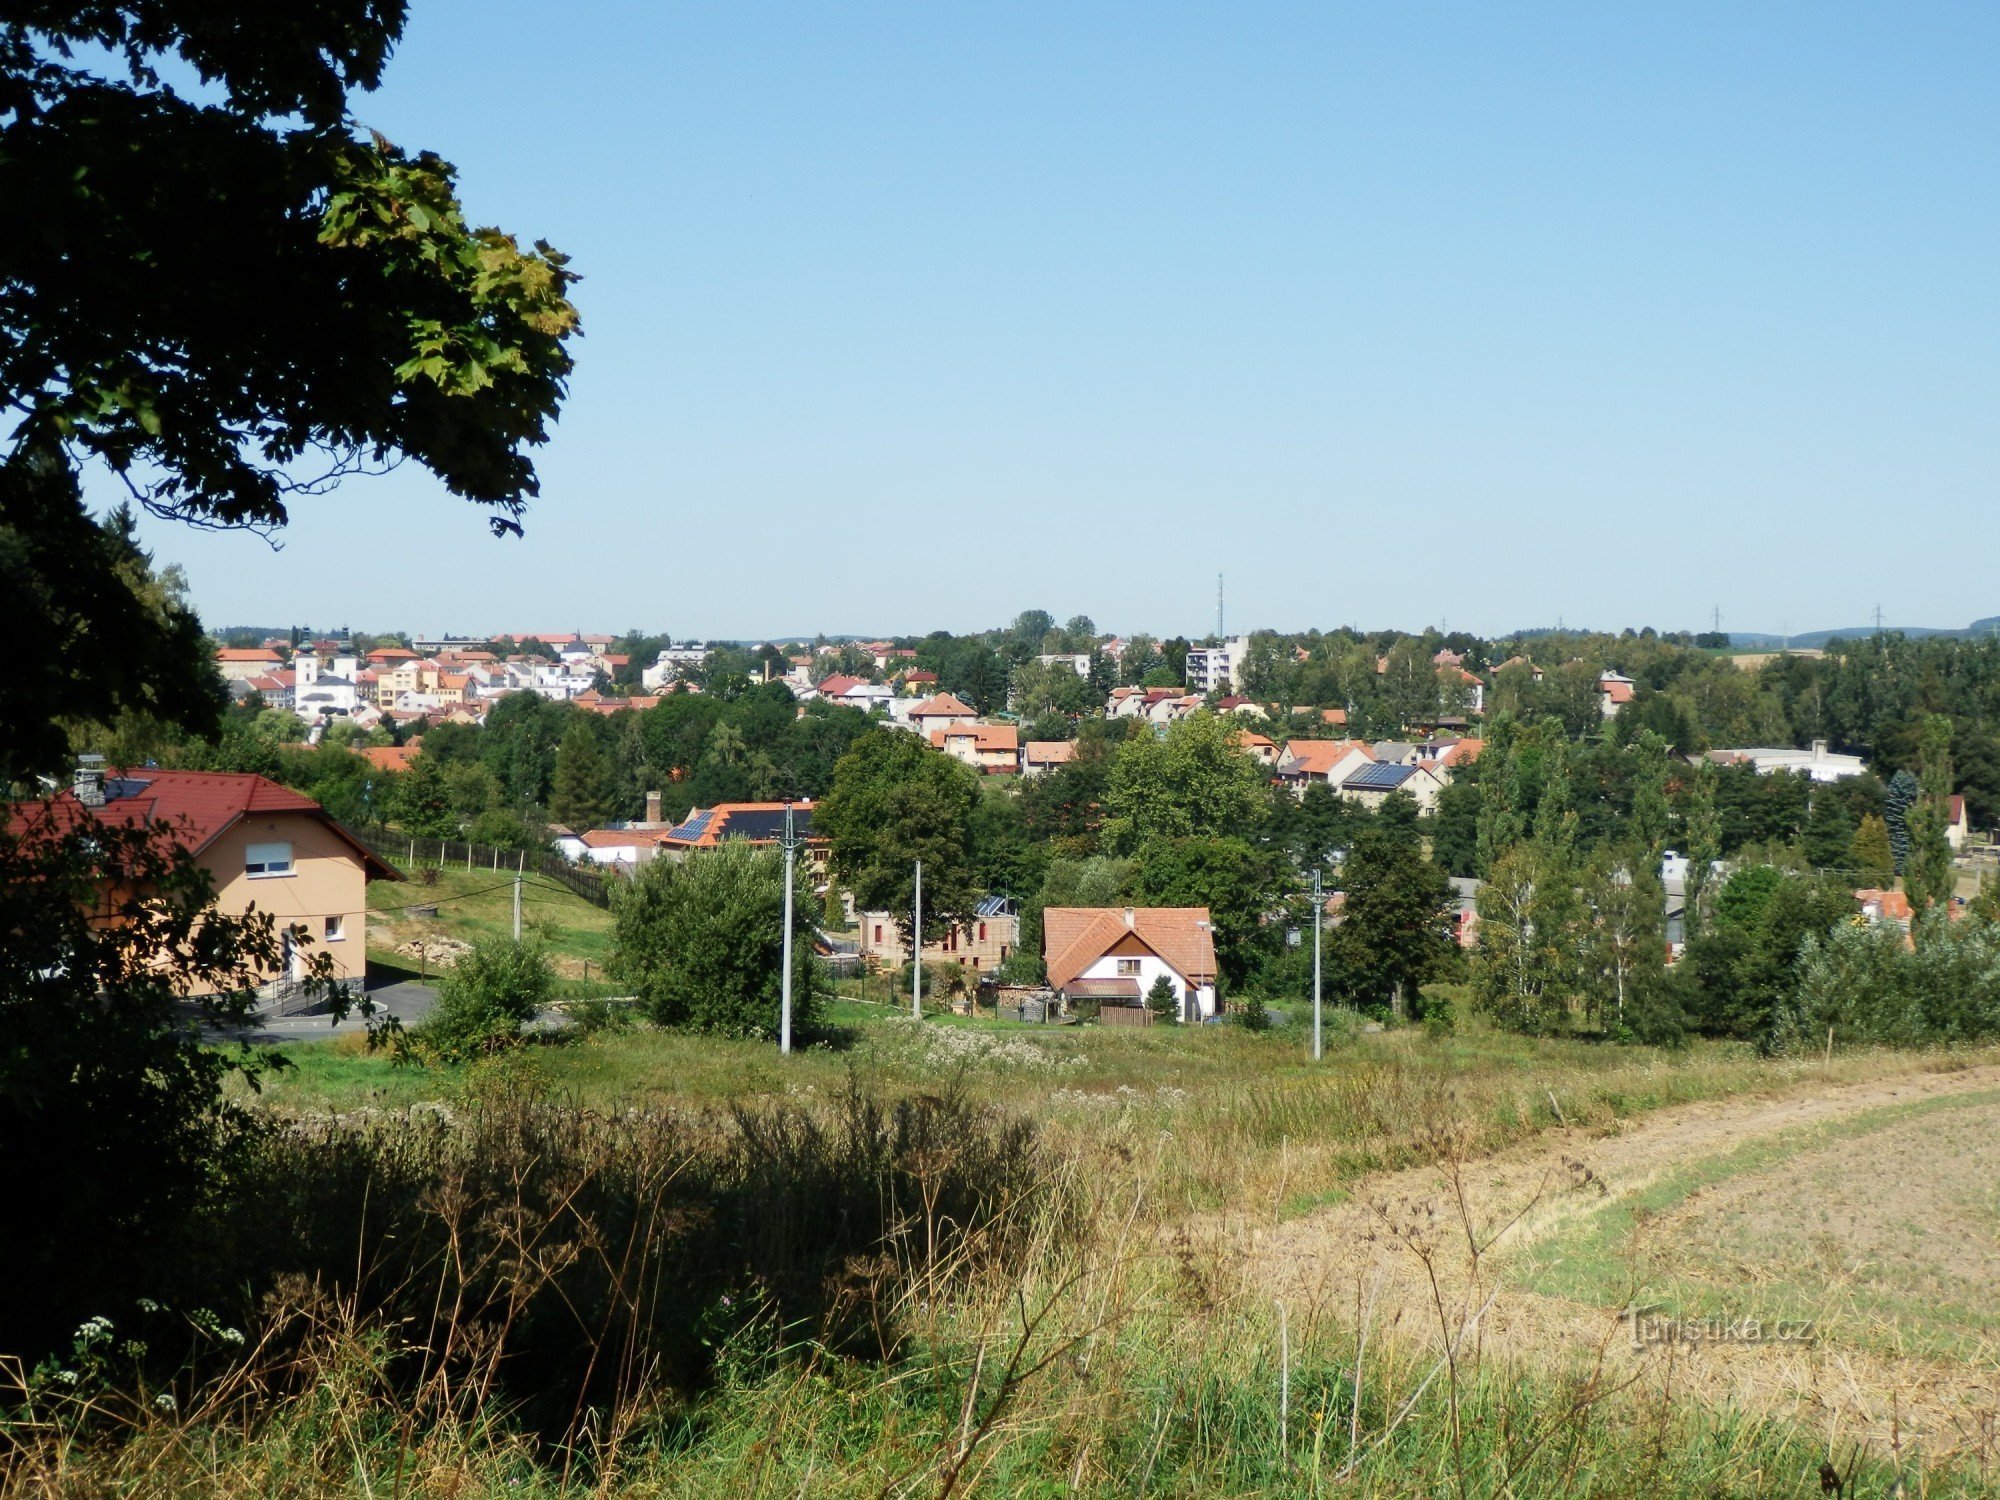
point(790, 844)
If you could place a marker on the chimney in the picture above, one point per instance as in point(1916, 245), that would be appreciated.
point(88, 784)
point(652, 807)
point(1128, 917)
point(1819, 749)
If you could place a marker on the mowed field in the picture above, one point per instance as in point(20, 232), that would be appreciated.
point(1824, 1255)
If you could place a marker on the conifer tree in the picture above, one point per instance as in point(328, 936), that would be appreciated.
point(583, 795)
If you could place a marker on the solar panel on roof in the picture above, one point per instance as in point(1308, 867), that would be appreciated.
point(1379, 776)
point(693, 828)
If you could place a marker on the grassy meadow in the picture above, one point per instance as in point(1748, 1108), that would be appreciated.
point(1054, 1298)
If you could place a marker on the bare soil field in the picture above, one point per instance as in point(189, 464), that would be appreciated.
point(1829, 1256)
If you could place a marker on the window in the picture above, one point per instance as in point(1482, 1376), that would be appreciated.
point(982, 932)
point(265, 860)
point(878, 934)
point(336, 929)
point(1128, 966)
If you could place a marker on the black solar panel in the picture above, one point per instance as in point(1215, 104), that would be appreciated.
point(693, 828)
point(1379, 776)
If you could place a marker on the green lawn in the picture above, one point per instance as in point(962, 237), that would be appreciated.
point(474, 904)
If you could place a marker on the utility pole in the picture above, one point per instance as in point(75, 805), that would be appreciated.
point(917, 951)
point(517, 908)
point(790, 844)
point(1878, 619)
point(1319, 909)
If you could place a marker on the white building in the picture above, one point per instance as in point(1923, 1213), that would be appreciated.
point(1214, 668)
point(1115, 956)
point(320, 689)
point(673, 662)
point(1815, 761)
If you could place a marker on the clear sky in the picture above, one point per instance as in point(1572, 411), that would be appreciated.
point(909, 317)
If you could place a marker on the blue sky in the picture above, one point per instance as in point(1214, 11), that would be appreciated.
point(909, 317)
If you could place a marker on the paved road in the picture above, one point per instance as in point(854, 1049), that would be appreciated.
point(406, 1000)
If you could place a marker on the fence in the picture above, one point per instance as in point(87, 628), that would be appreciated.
point(409, 850)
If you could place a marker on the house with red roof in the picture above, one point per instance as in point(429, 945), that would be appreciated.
point(1039, 757)
point(987, 748)
point(263, 845)
point(1614, 691)
point(1329, 761)
point(1114, 955)
point(938, 711)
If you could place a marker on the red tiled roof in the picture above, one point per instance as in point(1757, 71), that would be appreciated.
point(1464, 753)
point(984, 736)
point(837, 684)
point(714, 830)
point(389, 757)
point(944, 705)
point(391, 653)
point(1075, 937)
point(1893, 905)
point(1318, 757)
point(1050, 752)
point(199, 806)
point(246, 653)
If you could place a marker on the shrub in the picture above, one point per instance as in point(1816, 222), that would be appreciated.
point(1868, 984)
point(701, 942)
point(1437, 1011)
point(484, 999)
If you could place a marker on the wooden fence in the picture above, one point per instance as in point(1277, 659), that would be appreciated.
point(409, 851)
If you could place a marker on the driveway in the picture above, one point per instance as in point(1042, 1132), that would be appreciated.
point(406, 1000)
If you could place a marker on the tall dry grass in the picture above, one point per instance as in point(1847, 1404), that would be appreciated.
point(520, 1296)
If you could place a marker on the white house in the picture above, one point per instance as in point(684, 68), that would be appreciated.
point(1077, 661)
point(672, 662)
point(1115, 955)
point(1371, 785)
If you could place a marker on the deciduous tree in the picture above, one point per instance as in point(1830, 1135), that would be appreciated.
point(895, 801)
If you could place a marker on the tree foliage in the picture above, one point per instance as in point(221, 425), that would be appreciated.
point(359, 321)
point(114, 1122)
point(1192, 783)
point(702, 943)
point(896, 801)
point(1394, 930)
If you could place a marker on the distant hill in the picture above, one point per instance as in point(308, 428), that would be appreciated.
point(1765, 641)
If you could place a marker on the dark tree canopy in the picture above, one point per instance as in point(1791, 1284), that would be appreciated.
point(229, 295)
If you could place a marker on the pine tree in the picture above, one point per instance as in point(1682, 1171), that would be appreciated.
point(1704, 839)
point(1930, 875)
point(582, 797)
point(1897, 801)
point(1162, 1000)
point(1828, 839)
